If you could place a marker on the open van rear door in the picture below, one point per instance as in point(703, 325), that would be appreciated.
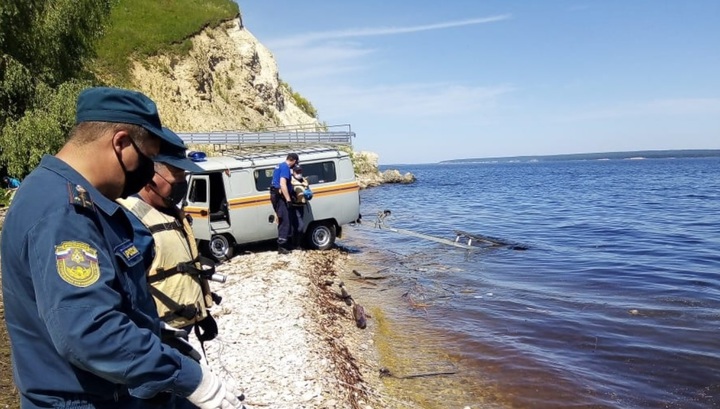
point(198, 205)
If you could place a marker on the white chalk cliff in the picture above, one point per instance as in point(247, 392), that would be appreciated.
point(227, 81)
point(230, 81)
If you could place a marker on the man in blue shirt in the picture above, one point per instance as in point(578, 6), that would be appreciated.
point(12, 183)
point(12, 186)
point(281, 199)
point(83, 327)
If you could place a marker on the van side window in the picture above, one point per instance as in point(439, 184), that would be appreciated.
point(263, 179)
point(198, 191)
point(321, 172)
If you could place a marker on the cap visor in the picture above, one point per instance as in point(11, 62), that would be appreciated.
point(156, 132)
point(180, 163)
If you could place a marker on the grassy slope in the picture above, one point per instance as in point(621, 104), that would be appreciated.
point(140, 28)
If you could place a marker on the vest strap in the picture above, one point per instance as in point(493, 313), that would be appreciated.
point(176, 310)
point(174, 225)
point(161, 274)
point(185, 268)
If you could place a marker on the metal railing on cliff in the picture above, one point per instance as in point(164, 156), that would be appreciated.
point(286, 135)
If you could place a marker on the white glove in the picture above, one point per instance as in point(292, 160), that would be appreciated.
point(212, 394)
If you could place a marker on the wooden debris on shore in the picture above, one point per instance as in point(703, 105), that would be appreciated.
point(357, 309)
point(359, 315)
point(365, 278)
point(344, 295)
point(348, 371)
point(385, 373)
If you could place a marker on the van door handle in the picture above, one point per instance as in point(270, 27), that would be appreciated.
point(203, 212)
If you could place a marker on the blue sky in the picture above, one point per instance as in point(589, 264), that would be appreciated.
point(424, 81)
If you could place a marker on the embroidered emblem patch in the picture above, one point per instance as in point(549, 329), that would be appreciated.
point(77, 263)
point(128, 252)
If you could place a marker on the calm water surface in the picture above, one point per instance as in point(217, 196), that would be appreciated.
point(615, 304)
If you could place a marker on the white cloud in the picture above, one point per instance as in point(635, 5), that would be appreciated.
point(301, 40)
point(330, 53)
point(417, 101)
point(335, 70)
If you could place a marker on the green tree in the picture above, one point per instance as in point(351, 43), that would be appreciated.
point(52, 38)
point(44, 45)
point(43, 129)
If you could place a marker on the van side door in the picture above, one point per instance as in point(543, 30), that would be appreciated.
point(198, 205)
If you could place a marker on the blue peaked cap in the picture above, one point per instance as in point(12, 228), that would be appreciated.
point(172, 152)
point(117, 105)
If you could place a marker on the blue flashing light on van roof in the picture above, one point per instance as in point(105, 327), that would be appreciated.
point(196, 156)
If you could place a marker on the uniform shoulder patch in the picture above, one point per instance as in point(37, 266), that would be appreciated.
point(128, 252)
point(77, 263)
point(79, 196)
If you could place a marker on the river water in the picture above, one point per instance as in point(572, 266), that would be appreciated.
point(614, 304)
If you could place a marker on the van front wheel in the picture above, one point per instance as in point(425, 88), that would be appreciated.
point(321, 236)
point(220, 247)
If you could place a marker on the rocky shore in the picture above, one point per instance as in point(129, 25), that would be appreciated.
point(369, 175)
point(287, 337)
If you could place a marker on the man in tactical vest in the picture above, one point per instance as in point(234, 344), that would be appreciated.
point(177, 275)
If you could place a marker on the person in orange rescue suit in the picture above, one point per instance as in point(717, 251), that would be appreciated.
point(84, 330)
point(301, 194)
point(177, 274)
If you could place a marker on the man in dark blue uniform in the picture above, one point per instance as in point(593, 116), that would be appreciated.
point(281, 199)
point(83, 327)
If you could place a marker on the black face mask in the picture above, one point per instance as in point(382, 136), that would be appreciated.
point(141, 176)
point(178, 190)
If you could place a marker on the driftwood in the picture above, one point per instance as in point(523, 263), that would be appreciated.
point(357, 273)
point(370, 278)
point(344, 294)
point(358, 311)
point(367, 279)
point(359, 315)
point(384, 372)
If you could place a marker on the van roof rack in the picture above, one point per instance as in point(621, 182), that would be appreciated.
point(252, 157)
point(299, 134)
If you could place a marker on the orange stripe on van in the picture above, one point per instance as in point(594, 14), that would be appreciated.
point(196, 212)
point(249, 201)
point(264, 199)
point(334, 190)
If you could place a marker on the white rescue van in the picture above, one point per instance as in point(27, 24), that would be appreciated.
point(230, 201)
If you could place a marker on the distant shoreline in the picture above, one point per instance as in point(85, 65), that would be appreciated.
point(659, 154)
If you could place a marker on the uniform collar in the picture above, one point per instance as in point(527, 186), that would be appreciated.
point(56, 165)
